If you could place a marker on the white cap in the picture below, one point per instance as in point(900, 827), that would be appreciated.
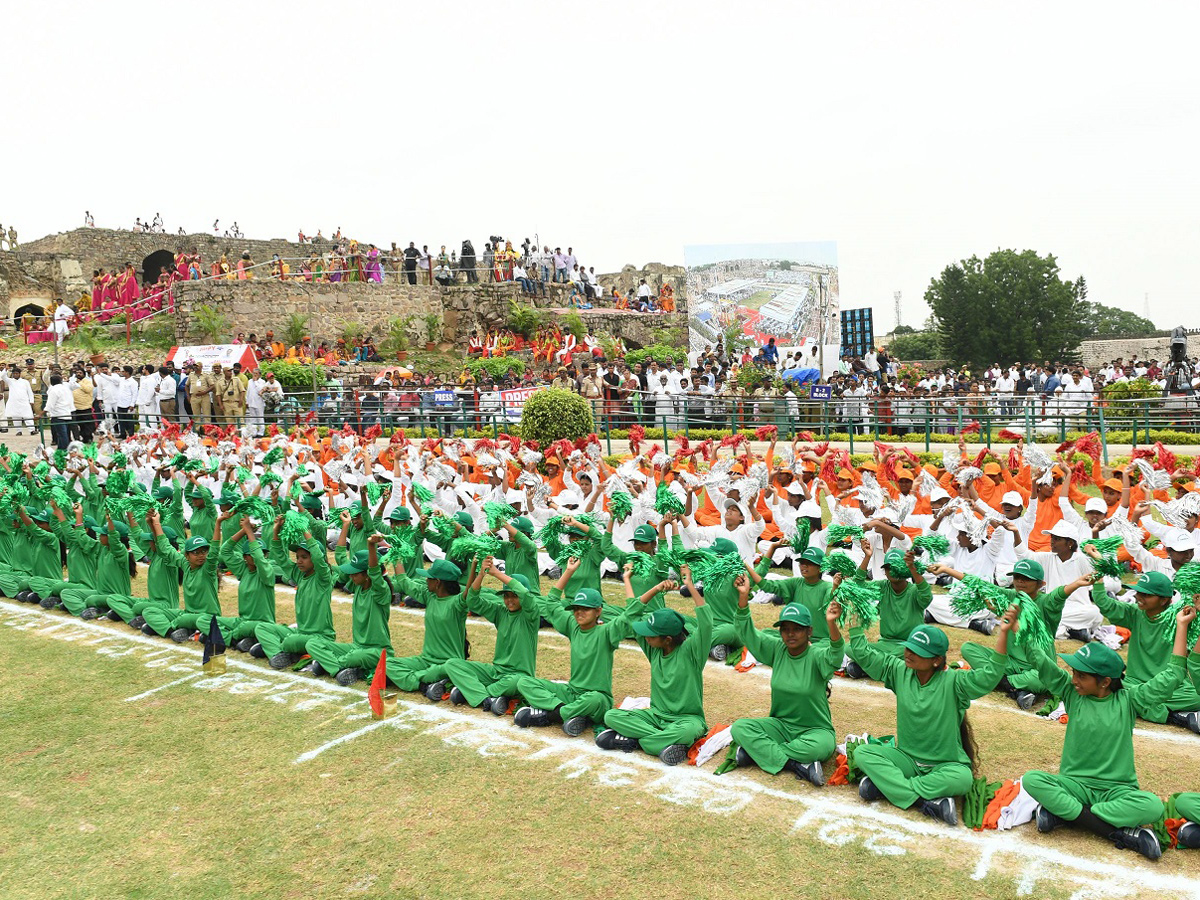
point(1012, 498)
point(1179, 541)
point(809, 509)
point(795, 488)
point(1063, 530)
point(960, 522)
point(1095, 504)
point(938, 494)
point(886, 514)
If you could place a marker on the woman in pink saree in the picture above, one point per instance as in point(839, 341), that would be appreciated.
point(374, 265)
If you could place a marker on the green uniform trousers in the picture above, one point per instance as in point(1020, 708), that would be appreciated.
point(1021, 677)
point(77, 599)
point(410, 672)
point(277, 638)
point(726, 634)
point(48, 587)
point(654, 731)
point(1188, 806)
point(771, 743)
point(334, 657)
point(903, 780)
point(478, 680)
point(1121, 805)
point(13, 582)
point(1185, 699)
point(129, 608)
point(232, 628)
point(163, 621)
point(542, 694)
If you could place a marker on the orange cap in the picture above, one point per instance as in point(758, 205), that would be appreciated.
point(869, 466)
point(992, 468)
point(1114, 484)
point(845, 473)
point(904, 473)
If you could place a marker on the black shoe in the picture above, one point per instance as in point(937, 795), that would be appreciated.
point(34, 598)
point(608, 739)
point(49, 602)
point(576, 725)
point(1189, 835)
point(348, 676)
point(718, 652)
point(498, 705)
point(178, 635)
point(436, 691)
point(137, 622)
point(146, 629)
point(1079, 634)
point(1047, 821)
point(283, 660)
point(413, 603)
point(257, 651)
point(244, 645)
point(90, 613)
point(1143, 840)
point(531, 717)
point(742, 758)
point(113, 615)
point(941, 809)
point(985, 625)
point(22, 597)
point(813, 772)
point(1025, 699)
point(868, 791)
point(854, 670)
point(673, 754)
point(1188, 720)
point(456, 697)
point(314, 668)
point(929, 619)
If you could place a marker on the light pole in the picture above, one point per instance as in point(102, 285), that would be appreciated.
point(821, 338)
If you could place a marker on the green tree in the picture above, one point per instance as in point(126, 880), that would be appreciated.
point(1099, 320)
point(918, 345)
point(1010, 306)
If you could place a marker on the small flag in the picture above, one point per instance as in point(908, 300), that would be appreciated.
point(375, 691)
point(214, 649)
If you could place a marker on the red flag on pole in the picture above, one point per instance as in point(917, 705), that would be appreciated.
point(375, 691)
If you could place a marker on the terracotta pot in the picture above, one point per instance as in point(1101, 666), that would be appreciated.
point(401, 355)
point(96, 358)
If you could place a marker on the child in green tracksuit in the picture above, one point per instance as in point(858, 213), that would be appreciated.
point(797, 734)
point(520, 552)
point(369, 634)
point(587, 695)
point(516, 615)
point(903, 597)
point(114, 566)
point(200, 578)
point(313, 577)
point(932, 761)
point(721, 597)
point(587, 573)
point(35, 554)
point(1021, 679)
point(1188, 804)
point(242, 554)
point(81, 568)
point(810, 590)
point(645, 540)
point(203, 518)
point(162, 580)
point(1150, 646)
point(1096, 787)
point(675, 719)
point(439, 589)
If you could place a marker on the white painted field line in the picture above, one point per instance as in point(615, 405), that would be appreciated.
point(1100, 879)
point(161, 687)
point(314, 753)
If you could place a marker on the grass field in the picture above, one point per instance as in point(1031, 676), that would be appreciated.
point(129, 774)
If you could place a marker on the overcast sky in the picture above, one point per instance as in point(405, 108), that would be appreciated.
point(913, 134)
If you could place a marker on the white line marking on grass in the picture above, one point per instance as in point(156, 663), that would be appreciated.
point(314, 753)
point(161, 687)
point(827, 814)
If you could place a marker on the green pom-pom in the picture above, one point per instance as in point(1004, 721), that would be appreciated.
point(838, 533)
point(497, 514)
point(474, 545)
point(552, 536)
point(178, 461)
point(800, 538)
point(193, 465)
point(241, 474)
point(119, 461)
point(1187, 584)
point(422, 493)
point(694, 558)
point(41, 470)
point(270, 478)
point(374, 492)
point(1107, 564)
point(666, 503)
point(620, 504)
point(718, 567)
point(291, 532)
point(60, 459)
point(255, 508)
point(859, 599)
point(272, 456)
point(973, 595)
point(89, 451)
point(644, 565)
point(118, 483)
point(839, 563)
point(934, 544)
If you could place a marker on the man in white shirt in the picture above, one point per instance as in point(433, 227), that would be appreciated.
point(1004, 387)
point(255, 404)
point(60, 409)
point(147, 398)
point(19, 406)
point(164, 395)
point(62, 316)
point(108, 388)
point(127, 399)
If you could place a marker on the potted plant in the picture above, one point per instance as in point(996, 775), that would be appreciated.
point(91, 336)
point(433, 328)
point(396, 340)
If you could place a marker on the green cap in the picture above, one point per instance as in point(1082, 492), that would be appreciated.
point(1029, 568)
point(310, 502)
point(928, 641)
point(442, 570)
point(723, 546)
point(400, 514)
point(578, 530)
point(797, 613)
point(39, 515)
point(229, 496)
point(812, 555)
point(586, 598)
point(121, 529)
point(89, 522)
point(1156, 583)
point(523, 525)
point(463, 518)
point(164, 492)
point(355, 565)
point(246, 548)
point(147, 536)
point(659, 623)
point(355, 509)
point(519, 579)
point(644, 534)
point(194, 543)
point(894, 560)
point(1096, 659)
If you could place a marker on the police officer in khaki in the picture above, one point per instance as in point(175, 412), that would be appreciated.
point(200, 395)
point(233, 399)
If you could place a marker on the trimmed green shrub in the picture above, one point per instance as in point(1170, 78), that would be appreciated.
point(661, 353)
point(550, 415)
point(496, 366)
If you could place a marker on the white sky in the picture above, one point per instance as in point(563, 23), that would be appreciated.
point(913, 134)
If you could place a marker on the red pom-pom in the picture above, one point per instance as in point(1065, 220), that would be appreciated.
point(766, 432)
point(821, 449)
point(1014, 459)
point(805, 436)
point(1065, 446)
point(1166, 459)
point(1007, 434)
point(1089, 445)
point(972, 427)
